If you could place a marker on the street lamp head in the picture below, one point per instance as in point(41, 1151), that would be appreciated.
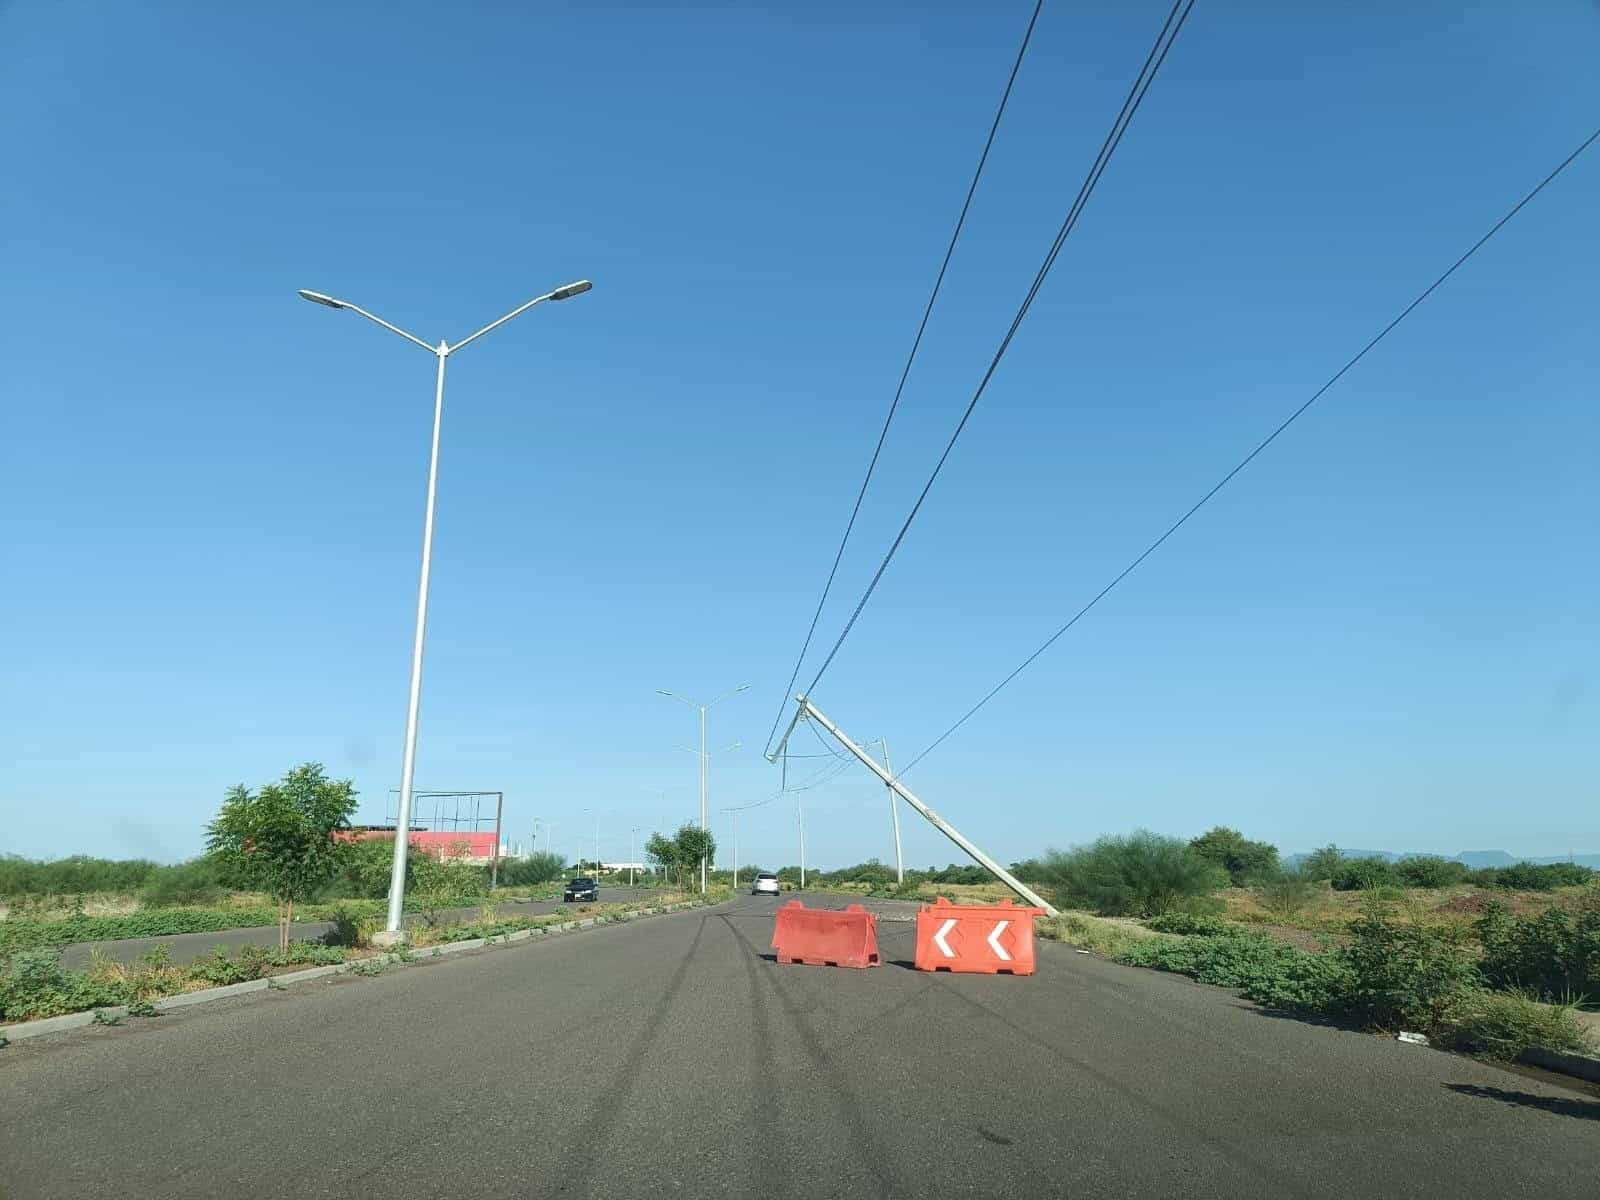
point(319, 298)
point(566, 291)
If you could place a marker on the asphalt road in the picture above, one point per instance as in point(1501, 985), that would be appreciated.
point(186, 947)
point(673, 1056)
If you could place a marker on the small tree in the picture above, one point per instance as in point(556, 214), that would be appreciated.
point(1320, 865)
point(663, 851)
point(280, 839)
point(1244, 861)
point(694, 845)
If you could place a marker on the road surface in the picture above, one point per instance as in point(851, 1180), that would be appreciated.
point(186, 947)
point(674, 1057)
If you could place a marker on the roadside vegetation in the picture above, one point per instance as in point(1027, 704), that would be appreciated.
point(1490, 961)
point(274, 856)
point(34, 985)
point(679, 857)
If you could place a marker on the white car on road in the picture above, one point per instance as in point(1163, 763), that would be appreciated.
point(766, 884)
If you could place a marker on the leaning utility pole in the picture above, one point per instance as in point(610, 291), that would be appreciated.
point(807, 710)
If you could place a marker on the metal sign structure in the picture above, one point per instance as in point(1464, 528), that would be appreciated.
point(464, 814)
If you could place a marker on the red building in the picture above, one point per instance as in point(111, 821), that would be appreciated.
point(469, 847)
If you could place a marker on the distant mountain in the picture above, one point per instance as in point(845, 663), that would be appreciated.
point(1490, 858)
point(1472, 858)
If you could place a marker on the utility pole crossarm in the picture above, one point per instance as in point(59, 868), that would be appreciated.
point(938, 822)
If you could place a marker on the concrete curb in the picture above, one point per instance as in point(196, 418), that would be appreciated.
point(77, 1020)
point(305, 976)
point(1578, 1065)
point(185, 999)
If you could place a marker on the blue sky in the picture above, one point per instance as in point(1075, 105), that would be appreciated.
point(1382, 634)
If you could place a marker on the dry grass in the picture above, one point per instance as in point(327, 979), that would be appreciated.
point(55, 908)
point(1332, 912)
point(147, 980)
point(1101, 935)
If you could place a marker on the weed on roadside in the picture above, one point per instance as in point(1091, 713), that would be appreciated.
point(1501, 1025)
point(1102, 936)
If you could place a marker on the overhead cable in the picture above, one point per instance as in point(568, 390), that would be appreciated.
point(1130, 106)
point(1260, 446)
point(905, 371)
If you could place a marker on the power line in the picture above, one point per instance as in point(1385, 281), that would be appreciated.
point(1262, 445)
point(1130, 106)
point(905, 372)
point(825, 776)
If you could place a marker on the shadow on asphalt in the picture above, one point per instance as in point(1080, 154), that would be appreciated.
point(1304, 1018)
point(1584, 1110)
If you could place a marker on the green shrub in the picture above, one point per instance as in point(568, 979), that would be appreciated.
point(35, 986)
point(1266, 969)
point(870, 872)
point(1194, 923)
point(196, 882)
point(1142, 875)
point(1245, 861)
point(17, 934)
point(1287, 896)
point(1029, 870)
point(1502, 1025)
point(1429, 871)
point(310, 952)
point(1405, 974)
point(217, 968)
point(536, 868)
point(366, 869)
point(1532, 877)
point(1556, 953)
point(352, 927)
point(1320, 865)
point(1362, 874)
point(70, 876)
point(439, 883)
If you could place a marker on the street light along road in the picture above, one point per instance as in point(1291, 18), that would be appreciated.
point(704, 783)
point(394, 932)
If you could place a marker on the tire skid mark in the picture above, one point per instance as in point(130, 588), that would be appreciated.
point(869, 1153)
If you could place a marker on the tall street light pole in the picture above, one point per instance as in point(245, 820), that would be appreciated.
point(704, 782)
point(402, 840)
point(894, 813)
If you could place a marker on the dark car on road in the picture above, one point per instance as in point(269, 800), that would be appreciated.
point(579, 890)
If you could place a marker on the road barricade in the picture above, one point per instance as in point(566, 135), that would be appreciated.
point(826, 937)
point(988, 939)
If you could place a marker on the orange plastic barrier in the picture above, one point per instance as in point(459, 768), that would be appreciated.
point(826, 937)
point(989, 939)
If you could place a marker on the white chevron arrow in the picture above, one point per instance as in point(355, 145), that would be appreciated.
point(938, 938)
point(994, 941)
